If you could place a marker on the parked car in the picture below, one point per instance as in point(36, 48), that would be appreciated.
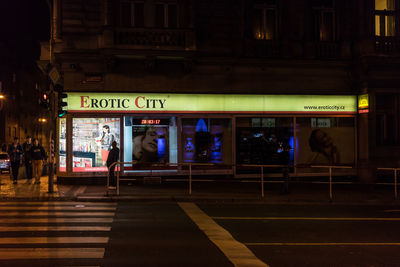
point(4, 163)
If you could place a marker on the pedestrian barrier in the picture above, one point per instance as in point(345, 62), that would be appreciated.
point(262, 178)
point(190, 164)
point(330, 167)
point(262, 171)
point(395, 178)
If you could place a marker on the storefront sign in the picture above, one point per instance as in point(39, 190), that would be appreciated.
point(363, 103)
point(200, 103)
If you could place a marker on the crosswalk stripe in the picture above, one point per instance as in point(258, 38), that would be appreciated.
point(56, 220)
point(59, 203)
point(53, 240)
point(64, 214)
point(54, 228)
point(51, 253)
point(51, 208)
point(55, 224)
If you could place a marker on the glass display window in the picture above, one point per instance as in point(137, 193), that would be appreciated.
point(150, 140)
point(91, 142)
point(262, 140)
point(207, 140)
point(325, 140)
point(62, 145)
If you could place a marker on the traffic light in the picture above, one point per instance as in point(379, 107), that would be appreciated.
point(44, 100)
point(62, 104)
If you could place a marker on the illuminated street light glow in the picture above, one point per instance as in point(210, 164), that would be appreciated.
point(43, 120)
point(2, 96)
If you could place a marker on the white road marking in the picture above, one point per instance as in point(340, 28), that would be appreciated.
point(235, 251)
point(54, 228)
point(57, 203)
point(56, 220)
point(323, 244)
point(307, 218)
point(51, 253)
point(51, 208)
point(53, 240)
point(63, 214)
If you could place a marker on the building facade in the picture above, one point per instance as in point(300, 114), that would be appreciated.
point(215, 60)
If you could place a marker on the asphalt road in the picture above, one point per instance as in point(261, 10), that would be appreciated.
point(189, 234)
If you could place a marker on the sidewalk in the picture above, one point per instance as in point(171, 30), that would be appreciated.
point(216, 191)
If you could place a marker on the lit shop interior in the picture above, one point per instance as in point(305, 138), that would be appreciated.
point(228, 134)
point(158, 142)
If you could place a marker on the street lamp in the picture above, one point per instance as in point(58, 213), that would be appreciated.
point(2, 96)
point(42, 120)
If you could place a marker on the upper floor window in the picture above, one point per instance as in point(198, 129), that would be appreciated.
point(265, 20)
point(323, 20)
point(132, 14)
point(166, 15)
point(385, 17)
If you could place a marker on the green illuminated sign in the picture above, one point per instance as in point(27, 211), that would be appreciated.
point(200, 103)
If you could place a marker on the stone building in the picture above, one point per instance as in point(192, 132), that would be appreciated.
point(312, 53)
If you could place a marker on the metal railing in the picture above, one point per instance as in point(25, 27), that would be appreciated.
point(190, 164)
point(395, 178)
point(262, 180)
point(330, 167)
point(118, 164)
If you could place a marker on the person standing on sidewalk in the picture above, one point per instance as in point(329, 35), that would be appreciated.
point(285, 160)
point(38, 157)
point(113, 156)
point(15, 151)
point(27, 157)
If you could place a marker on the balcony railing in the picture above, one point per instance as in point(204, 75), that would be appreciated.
point(387, 44)
point(156, 38)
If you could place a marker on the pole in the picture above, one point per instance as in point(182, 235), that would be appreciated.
point(117, 165)
point(190, 178)
point(395, 183)
point(51, 162)
point(262, 181)
point(330, 182)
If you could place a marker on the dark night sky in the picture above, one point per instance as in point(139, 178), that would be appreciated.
point(23, 24)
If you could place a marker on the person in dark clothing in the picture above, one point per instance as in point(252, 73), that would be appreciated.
point(285, 159)
point(27, 157)
point(38, 157)
point(15, 151)
point(113, 156)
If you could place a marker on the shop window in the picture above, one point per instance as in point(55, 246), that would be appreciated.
point(385, 18)
point(207, 140)
point(387, 119)
point(261, 140)
point(132, 14)
point(166, 15)
point(325, 141)
point(323, 20)
point(91, 142)
point(150, 140)
point(62, 134)
point(265, 20)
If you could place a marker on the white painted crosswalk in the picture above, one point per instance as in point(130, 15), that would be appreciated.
point(55, 231)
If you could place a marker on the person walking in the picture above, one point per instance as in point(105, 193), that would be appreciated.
point(113, 156)
point(27, 157)
point(38, 157)
point(15, 151)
